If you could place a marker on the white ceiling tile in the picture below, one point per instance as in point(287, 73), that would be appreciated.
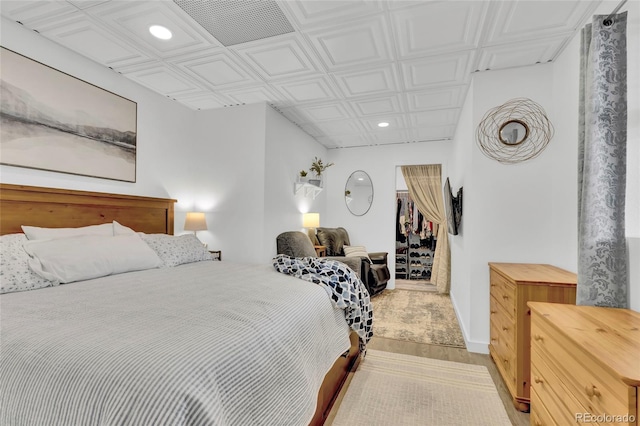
point(386, 136)
point(283, 57)
point(370, 81)
point(251, 95)
point(523, 53)
point(134, 19)
point(377, 106)
point(163, 80)
point(396, 122)
point(311, 13)
point(512, 21)
point(84, 4)
point(324, 112)
point(91, 40)
point(30, 13)
point(437, 70)
point(438, 27)
point(293, 115)
point(340, 127)
point(202, 101)
point(307, 90)
point(349, 64)
point(358, 44)
point(436, 118)
point(438, 98)
point(216, 69)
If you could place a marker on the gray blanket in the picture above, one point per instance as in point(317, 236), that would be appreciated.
point(209, 343)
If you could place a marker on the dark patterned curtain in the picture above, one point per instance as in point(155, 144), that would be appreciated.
point(602, 164)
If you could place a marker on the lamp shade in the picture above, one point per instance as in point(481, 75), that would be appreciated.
point(195, 221)
point(311, 220)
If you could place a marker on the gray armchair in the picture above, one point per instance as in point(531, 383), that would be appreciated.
point(374, 274)
point(298, 244)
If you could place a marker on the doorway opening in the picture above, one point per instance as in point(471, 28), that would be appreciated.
point(415, 242)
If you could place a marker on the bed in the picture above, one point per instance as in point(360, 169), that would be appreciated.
point(202, 342)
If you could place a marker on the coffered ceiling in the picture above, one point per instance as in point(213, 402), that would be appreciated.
point(335, 68)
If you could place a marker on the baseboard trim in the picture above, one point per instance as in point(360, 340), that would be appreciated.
point(472, 345)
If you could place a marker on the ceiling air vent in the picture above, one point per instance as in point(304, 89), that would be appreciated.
point(240, 21)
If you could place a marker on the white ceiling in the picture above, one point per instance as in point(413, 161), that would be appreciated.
point(346, 66)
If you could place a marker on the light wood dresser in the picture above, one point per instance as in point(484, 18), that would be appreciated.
point(512, 286)
point(585, 365)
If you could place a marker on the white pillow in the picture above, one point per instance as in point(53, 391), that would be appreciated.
point(36, 233)
point(356, 251)
point(121, 229)
point(177, 250)
point(15, 274)
point(85, 257)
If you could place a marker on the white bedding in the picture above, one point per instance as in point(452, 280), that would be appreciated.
point(206, 343)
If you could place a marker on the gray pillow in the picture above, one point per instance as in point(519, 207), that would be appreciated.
point(334, 239)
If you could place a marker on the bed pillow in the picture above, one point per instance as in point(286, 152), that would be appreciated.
point(177, 250)
point(85, 257)
point(37, 233)
point(121, 229)
point(15, 274)
point(356, 251)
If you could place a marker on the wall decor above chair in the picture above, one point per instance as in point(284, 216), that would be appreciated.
point(515, 131)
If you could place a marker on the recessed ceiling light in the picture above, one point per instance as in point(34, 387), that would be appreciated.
point(160, 32)
point(383, 124)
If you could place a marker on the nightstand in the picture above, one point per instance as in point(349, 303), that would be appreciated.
point(321, 251)
point(216, 254)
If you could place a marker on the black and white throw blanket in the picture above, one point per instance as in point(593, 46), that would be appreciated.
point(346, 290)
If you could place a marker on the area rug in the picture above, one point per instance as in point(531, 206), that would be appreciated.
point(414, 316)
point(396, 389)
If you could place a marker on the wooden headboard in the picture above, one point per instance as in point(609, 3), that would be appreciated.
point(64, 208)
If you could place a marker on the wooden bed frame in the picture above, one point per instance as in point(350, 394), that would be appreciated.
point(64, 208)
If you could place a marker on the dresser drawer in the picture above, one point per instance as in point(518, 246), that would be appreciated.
point(592, 386)
point(539, 414)
point(504, 291)
point(549, 388)
point(503, 323)
point(504, 357)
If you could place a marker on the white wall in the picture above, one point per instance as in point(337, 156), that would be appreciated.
point(376, 229)
point(289, 150)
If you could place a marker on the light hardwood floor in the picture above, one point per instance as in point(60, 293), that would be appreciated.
point(447, 354)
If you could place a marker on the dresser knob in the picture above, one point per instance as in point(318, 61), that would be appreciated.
point(538, 379)
point(537, 337)
point(592, 391)
point(494, 312)
point(537, 423)
point(505, 297)
point(505, 328)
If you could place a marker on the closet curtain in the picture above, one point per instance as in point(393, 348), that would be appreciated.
point(425, 189)
point(602, 153)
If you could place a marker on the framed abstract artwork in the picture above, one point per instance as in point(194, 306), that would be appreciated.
point(53, 121)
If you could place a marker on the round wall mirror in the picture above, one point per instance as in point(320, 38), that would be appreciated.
point(358, 193)
point(513, 132)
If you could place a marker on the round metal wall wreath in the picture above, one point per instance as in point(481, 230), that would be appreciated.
point(515, 131)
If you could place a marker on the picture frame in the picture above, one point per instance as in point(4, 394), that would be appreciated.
point(54, 121)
